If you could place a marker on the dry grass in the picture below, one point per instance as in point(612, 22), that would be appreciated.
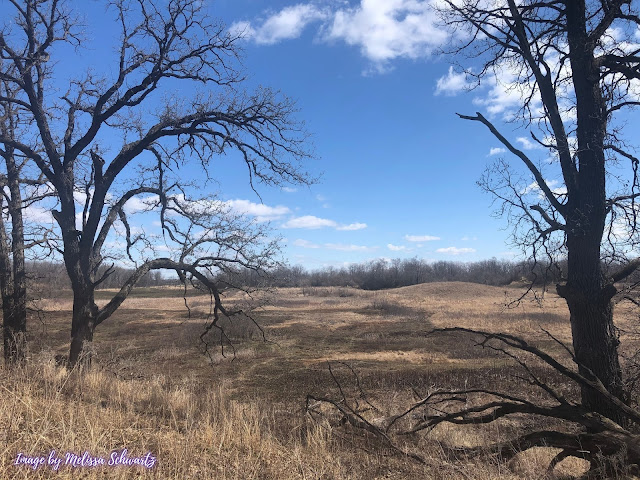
point(154, 391)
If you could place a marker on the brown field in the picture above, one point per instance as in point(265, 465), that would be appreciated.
point(243, 417)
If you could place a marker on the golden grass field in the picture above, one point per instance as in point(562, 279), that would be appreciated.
point(243, 417)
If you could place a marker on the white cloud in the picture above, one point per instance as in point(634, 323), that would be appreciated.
point(528, 144)
point(468, 239)
point(504, 96)
point(496, 151)
point(305, 243)
point(455, 250)
point(507, 88)
point(286, 24)
point(36, 190)
point(532, 187)
point(36, 214)
point(388, 29)
point(452, 83)
point(383, 30)
point(165, 248)
point(332, 246)
point(555, 186)
point(347, 248)
point(310, 222)
point(80, 197)
point(420, 238)
point(313, 222)
point(352, 226)
point(241, 29)
point(140, 204)
point(396, 248)
point(289, 189)
point(261, 211)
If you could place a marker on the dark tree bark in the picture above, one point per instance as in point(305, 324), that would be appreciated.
point(14, 330)
point(12, 252)
point(587, 293)
point(15, 320)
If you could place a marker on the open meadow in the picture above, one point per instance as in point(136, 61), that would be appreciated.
point(243, 416)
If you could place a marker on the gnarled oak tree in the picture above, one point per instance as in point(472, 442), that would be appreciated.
point(577, 66)
point(172, 97)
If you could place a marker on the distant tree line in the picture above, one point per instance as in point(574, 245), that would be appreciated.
point(381, 274)
point(374, 275)
point(50, 278)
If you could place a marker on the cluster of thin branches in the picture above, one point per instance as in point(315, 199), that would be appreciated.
point(608, 446)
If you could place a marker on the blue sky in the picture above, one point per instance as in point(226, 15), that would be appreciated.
point(397, 168)
point(392, 152)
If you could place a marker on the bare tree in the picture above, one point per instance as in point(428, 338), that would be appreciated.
point(12, 265)
point(163, 51)
point(576, 65)
point(13, 239)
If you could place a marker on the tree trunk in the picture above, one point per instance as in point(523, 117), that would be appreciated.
point(78, 263)
point(12, 285)
point(588, 295)
point(6, 290)
point(595, 344)
point(14, 331)
point(13, 282)
point(82, 327)
point(18, 318)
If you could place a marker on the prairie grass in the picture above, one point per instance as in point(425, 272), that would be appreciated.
point(193, 433)
point(152, 389)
